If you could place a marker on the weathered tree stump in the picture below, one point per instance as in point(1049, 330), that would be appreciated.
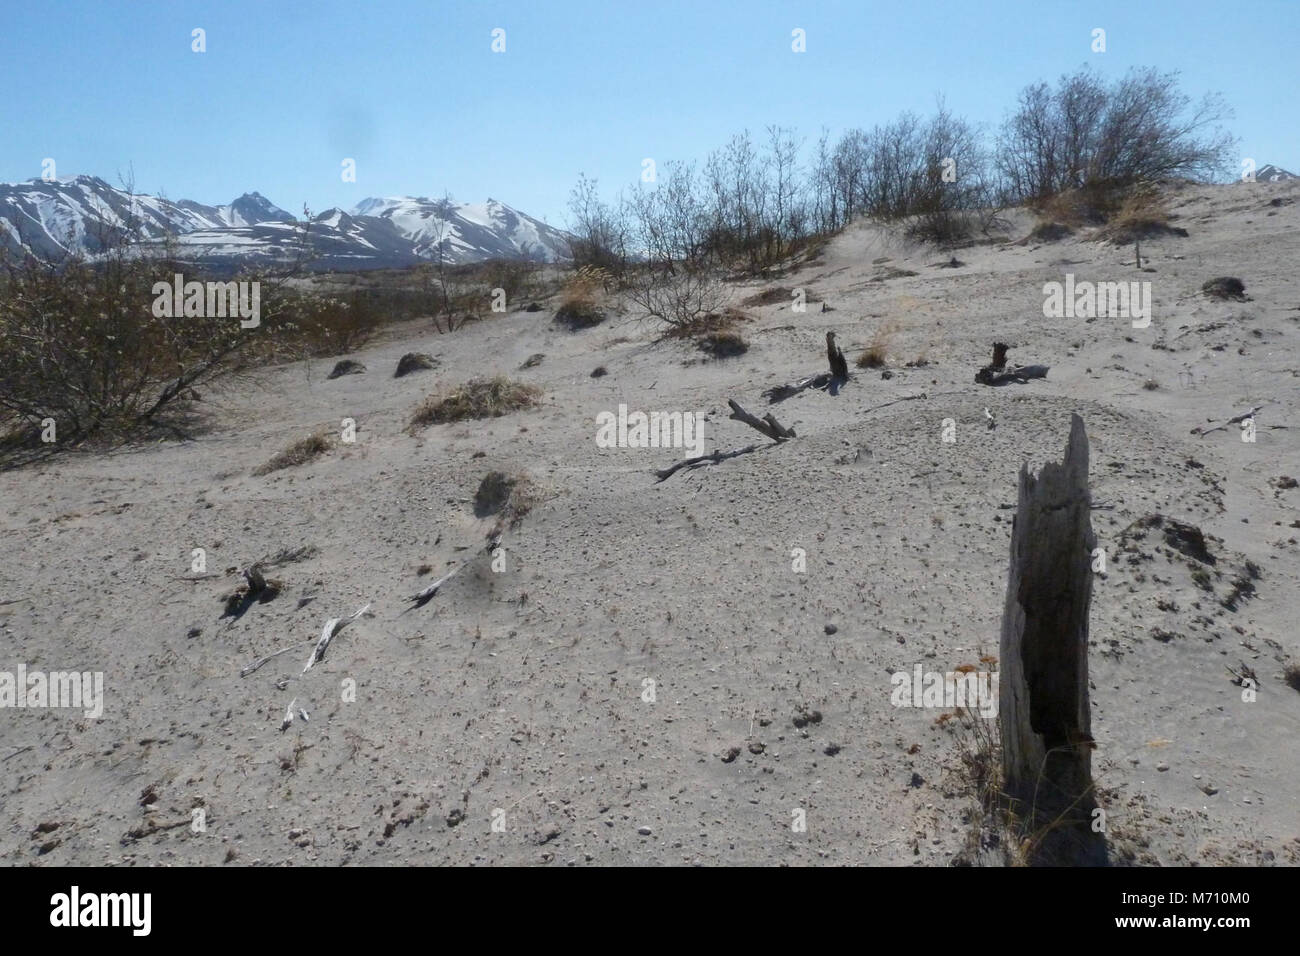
point(835, 357)
point(1043, 684)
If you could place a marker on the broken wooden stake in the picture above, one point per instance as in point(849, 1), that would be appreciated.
point(1043, 693)
point(256, 582)
point(835, 356)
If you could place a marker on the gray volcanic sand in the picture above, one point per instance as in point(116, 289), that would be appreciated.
point(519, 695)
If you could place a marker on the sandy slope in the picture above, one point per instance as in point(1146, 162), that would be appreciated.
point(523, 690)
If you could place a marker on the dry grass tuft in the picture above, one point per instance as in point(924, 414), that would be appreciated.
point(300, 452)
point(874, 355)
point(1142, 213)
point(580, 307)
point(479, 398)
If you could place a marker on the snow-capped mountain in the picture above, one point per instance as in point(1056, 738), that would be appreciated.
point(85, 215)
point(248, 210)
point(468, 232)
point(1273, 174)
point(333, 240)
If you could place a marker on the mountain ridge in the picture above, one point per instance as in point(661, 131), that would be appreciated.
point(84, 215)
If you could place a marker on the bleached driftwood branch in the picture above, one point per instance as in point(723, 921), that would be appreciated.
point(332, 627)
point(427, 594)
point(262, 660)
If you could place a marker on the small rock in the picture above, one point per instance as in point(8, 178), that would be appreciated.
point(831, 628)
point(644, 831)
point(730, 754)
point(1209, 789)
point(1162, 766)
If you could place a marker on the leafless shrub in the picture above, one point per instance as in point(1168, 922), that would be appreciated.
point(678, 298)
point(1101, 139)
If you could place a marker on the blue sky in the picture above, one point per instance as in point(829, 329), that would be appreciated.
point(412, 91)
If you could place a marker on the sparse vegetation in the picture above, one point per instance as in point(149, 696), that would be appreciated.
point(508, 496)
point(680, 298)
point(299, 453)
point(414, 362)
point(723, 343)
point(346, 367)
point(1291, 674)
point(1088, 142)
point(1225, 287)
point(580, 308)
point(479, 398)
point(875, 354)
point(1142, 213)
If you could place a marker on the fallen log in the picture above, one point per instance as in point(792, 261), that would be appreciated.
point(988, 375)
point(700, 460)
point(779, 393)
point(768, 425)
point(997, 373)
point(1235, 420)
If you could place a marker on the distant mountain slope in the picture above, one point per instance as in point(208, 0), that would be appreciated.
point(1273, 174)
point(468, 231)
point(85, 215)
point(332, 240)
